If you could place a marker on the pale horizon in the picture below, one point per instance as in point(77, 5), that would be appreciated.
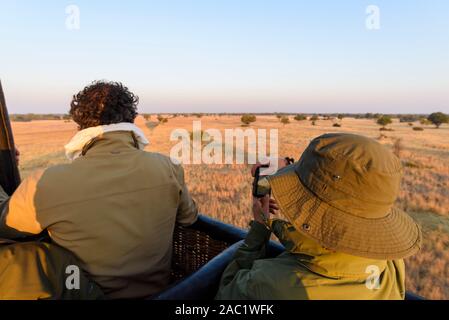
point(230, 57)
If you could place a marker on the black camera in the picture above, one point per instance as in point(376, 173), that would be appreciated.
point(261, 184)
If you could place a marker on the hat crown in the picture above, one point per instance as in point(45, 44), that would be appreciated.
point(352, 173)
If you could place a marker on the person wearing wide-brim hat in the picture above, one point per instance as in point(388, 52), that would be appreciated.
point(344, 237)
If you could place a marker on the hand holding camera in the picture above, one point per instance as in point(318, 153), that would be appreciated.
point(263, 205)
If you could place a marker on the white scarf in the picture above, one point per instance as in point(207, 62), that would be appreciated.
point(74, 148)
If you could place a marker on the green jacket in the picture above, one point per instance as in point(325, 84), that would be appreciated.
point(306, 271)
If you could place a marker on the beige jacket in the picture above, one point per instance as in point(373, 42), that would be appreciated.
point(115, 208)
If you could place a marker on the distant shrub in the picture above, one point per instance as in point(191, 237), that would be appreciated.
point(34, 117)
point(20, 118)
point(198, 115)
point(340, 117)
point(418, 128)
point(285, 120)
point(300, 117)
point(438, 118)
point(409, 164)
point(408, 118)
point(337, 125)
point(416, 165)
point(247, 119)
point(314, 118)
point(313, 123)
point(410, 124)
point(161, 119)
point(151, 125)
point(384, 121)
point(372, 116)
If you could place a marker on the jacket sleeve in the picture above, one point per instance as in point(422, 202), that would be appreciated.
point(187, 208)
point(18, 212)
point(239, 281)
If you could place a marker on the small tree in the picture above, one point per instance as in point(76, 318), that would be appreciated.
point(340, 117)
point(384, 121)
point(438, 118)
point(300, 117)
point(314, 118)
point(285, 120)
point(247, 119)
point(161, 119)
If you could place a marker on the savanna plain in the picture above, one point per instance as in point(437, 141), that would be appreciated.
point(224, 191)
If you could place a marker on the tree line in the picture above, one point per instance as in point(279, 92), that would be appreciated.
point(437, 118)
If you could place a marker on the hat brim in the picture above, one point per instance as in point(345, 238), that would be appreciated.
point(394, 236)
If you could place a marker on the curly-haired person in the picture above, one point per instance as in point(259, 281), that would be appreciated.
point(112, 208)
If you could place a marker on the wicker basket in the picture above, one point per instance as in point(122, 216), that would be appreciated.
point(192, 249)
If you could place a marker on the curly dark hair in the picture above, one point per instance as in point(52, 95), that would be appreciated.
point(103, 103)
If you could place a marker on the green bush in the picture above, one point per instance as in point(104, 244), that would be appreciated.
point(438, 118)
point(285, 120)
point(300, 117)
point(247, 119)
point(384, 121)
point(161, 119)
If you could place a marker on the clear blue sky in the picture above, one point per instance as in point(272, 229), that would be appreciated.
point(229, 55)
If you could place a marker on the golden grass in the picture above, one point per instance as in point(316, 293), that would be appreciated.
point(224, 191)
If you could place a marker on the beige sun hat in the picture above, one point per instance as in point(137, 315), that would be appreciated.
point(342, 193)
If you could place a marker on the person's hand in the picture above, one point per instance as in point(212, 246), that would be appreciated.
point(282, 163)
point(17, 154)
point(264, 209)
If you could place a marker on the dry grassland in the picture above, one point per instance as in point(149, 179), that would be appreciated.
point(224, 191)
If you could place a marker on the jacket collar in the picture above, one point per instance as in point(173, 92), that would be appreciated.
point(322, 261)
point(89, 136)
point(111, 142)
